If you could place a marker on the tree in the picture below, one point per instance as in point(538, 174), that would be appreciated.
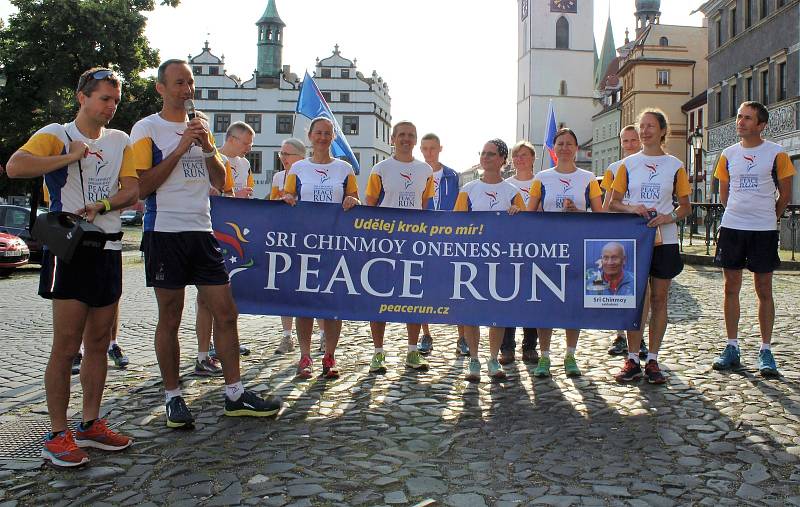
point(46, 46)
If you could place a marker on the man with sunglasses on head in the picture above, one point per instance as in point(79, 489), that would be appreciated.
point(88, 169)
point(177, 160)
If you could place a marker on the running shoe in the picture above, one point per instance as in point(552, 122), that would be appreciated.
point(462, 347)
point(530, 356)
point(212, 351)
point(630, 371)
point(76, 363)
point(286, 345)
point(643, 351)
point(61, 450)
point(243, 351)
point(495, 369)
point(619, 347)
point(329, 369)
point(116, 355)
point(425, 344)
point(474, 371)
point(729, 359)
point(543, 368)
point(208, 367)
point(766, 364)
point(99, 436)
point(653, 373)
point(506, 357)
point(250, 404)
point(304, 367)
point(378, 363)
point(178, 414)
point(571, 366)
point(415, 360)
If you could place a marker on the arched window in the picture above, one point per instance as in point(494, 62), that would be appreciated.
point(562, 89)
point(562, 33)
point(663, 41)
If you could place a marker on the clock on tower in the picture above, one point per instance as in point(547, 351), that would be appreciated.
point(564, 6)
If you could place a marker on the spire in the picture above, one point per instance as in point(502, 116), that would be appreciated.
point(270, 47)
point(607, 53)
point(271, 15)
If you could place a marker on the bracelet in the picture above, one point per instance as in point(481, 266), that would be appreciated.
point(210, 154)
point(106, 206)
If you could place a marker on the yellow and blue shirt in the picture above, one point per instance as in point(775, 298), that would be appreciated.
point(479, 196)
point(313, 182)
point(401, 184)
point(553, 187)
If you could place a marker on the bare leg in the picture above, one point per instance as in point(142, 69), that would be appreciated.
point(413, 333)
point(96, 337)
point(203, 325)
point(377, 329)
point(635, 335)
point(219, 300)
point(730, 301)
point(659, 292)
point(473, 336)
point(426, 330)
point(304, 326)
point(286, 322)
point(495, 340)
point(572, 337)
point(766, 305)
point(545, 335)
point(69, 317)
point(333, 330)
point(170, 309)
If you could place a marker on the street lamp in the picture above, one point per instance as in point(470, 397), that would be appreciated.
point(697, 146)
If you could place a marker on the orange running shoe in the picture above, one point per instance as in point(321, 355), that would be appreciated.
point(99, 436)
point(62, 451)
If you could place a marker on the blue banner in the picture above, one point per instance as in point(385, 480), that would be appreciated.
point(559, 270)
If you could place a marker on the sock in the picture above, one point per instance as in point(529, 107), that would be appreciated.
point(412, 348)
point(54, 434)
point(86, 425)
point(111, 345)
point(379, 350)
point(202, 356)
point(652, 356)
point(287, 334)
point(634, 356)
point(571, 350)
point(234, 391)
point(172, 393)
point(735, 343)
point(766, 346)
point(545, 353)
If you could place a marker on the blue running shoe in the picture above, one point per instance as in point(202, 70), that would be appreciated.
point(462, 347)
point(766, 364)
point(728, 360)
point(425, 344)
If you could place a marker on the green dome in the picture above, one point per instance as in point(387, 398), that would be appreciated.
point(648, 5)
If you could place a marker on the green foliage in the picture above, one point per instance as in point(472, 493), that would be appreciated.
point(46, 46)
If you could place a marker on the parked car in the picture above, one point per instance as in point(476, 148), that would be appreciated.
point(14, 220)
point(13, 253)
point(131, 217)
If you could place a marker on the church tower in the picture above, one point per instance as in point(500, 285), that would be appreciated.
point(556, 62)
point(270, 47)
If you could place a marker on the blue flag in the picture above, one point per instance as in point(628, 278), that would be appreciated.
point(549, 135)
point(311, 104)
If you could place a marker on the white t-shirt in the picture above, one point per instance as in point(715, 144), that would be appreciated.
point(181, 203)
point(752, 175)
point(240, 168)
point(321, 182)
point(553, 187)
point(524, 187)
point(278, 180)
point(400, 184)
point(479, 196)
point(110, 158)
point(652, 181)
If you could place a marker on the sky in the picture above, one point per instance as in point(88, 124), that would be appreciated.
point(451, 65)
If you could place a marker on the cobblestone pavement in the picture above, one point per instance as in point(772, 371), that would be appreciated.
point(408, 438)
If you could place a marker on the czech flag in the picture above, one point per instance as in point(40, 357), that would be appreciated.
point(311, 104)
point(550, 134)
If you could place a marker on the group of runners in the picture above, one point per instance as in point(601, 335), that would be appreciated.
point(171, 161)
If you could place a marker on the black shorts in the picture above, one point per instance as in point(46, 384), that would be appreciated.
point(93, 277)
point(667, 262)
point(754, 250)
point(173, 260)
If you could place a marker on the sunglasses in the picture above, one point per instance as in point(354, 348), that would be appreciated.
point(97, 75)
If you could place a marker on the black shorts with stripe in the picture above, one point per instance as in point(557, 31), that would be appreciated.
point(174, 260)
point(754, 250)
point(93, 277)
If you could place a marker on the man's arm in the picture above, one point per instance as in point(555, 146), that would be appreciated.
point(127, 195)
point(152, 178)
point(724, 192)
point(784, 196)
point(23, 164)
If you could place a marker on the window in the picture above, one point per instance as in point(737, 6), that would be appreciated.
point(213, 70)
point(748, 88)
point(748, 13)
point(254, 120)
point(734, 106)
point(781, 81)
point(350, 125)
point(764, 9)
point(198, 94)
point(562, 89)
point(733, 22)
point(345, 73)
point(17, 218)
point(197, 70)
point(344, 97)
point(700, 118)
point(213, 94)
point(662, 77)
point(254, 157)
point(326, 96)
point(781, 3)
point(718, 29)
point(326, 72)
point(356, 154)
point(765, 87)
point(663, 42)
point(718, 106)
point(562, 33)
point(221, 122)
point(284, 124)
point(691, 122)
point(276, 162)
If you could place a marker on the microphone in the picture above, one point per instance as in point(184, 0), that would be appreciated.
point(188, 106)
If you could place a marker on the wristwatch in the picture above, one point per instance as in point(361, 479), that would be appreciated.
point(674, 216)
point(210, 154)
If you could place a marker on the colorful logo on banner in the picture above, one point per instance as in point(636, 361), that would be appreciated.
point(233, 250)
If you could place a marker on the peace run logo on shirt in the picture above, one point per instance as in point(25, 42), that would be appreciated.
point(194, 167)
point(97, 187)
point(323, 192)
point(651, 191)
point(492, 198)
point(748, 183)
point(408, 199)
point(566, 192)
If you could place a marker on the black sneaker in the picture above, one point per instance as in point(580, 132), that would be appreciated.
point(115, 354)
point(76, 363)
point(643, 350)
point(250, 404)
point(620, 346)
point(178, 414)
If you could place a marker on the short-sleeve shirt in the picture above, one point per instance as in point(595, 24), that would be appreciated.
point(242, 177)
point(553, 187)
point(479, 196)
point(278, 180)
point(652, 181)
point(313, 182)
point(400, 184)
point(181, 203)
point(753, 175)
point(110, 158)
point(608, 177)
point(228, 185)
point(524, 187)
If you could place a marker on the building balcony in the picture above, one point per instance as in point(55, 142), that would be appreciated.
point(784, 119)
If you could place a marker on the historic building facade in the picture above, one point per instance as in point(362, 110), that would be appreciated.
point(266, 101)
